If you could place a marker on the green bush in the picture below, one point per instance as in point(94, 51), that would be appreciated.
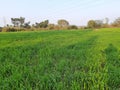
point(73, 27)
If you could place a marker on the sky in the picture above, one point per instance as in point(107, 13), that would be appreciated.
point(77, 12)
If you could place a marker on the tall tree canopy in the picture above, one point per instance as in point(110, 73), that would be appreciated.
point(18, 21)
point(63, 23)
point(43, 24)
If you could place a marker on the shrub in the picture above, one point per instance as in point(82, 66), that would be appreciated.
point(8, 29)
point(73, 27)
point(51, 26)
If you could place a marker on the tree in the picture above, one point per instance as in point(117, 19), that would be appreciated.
point(106, 21)
point(116, 22)
point(18, 21)
point(95, 24)
point(43, 24)
point(0, 29)
point(27, 25)
point(91, 24)
point(63, 23)
point(36, 25)
point(15, 21)
point(22, 21)
point(98, 23)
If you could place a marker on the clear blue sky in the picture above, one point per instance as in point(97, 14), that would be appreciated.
point(75, 11)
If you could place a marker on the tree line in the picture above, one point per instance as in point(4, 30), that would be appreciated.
point(19, 24)
point(103, 23)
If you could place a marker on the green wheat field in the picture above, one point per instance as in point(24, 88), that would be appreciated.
point(60, 60)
